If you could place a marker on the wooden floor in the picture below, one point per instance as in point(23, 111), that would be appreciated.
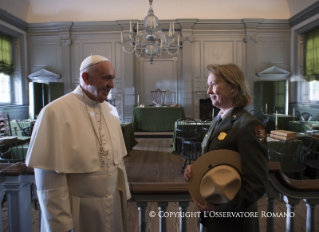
point(152, 161)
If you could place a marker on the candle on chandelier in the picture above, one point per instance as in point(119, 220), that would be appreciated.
point(161, 44)
point(178, 40)
point(121, 37)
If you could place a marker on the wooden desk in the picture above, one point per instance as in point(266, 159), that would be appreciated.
point(156, 118)
point(128, 135)
point(282, 122)
point(301, 126)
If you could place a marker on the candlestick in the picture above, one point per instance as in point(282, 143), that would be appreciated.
point(276, 121)
point(130, 26)
point(121, 37)
point(266, 108)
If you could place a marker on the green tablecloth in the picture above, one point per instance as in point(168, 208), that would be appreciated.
point(200, 135)
point(282, 122)
point(128, 134)
point(301, 126)
point(156, 118)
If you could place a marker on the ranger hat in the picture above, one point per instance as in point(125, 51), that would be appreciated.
point(215, 177)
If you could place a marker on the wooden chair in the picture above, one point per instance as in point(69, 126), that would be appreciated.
point(12, 150)
point(186, 128)
point(25, 127)
point(264, 119)
point(206, 126)
point(305, 117)
point(158, 96)
point(169, 100)
point(313, 162)
point(316, 118)
point(191, 150)
point(293, 153)
point(5, 125)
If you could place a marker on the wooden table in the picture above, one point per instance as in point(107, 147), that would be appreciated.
point(282, 123)
point(156, 118)
point(128, 135)
point(301, 126)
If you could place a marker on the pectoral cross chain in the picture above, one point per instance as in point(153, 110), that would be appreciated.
point(103, 155)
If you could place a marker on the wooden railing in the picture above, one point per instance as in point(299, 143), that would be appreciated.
point(16, 180)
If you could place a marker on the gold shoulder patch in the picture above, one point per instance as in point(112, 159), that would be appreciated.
point(260, 133)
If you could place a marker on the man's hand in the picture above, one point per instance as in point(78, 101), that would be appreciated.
point(187, 172)
point(207, 207)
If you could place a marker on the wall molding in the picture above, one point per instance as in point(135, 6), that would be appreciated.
point(304, 14)
point(13, 20)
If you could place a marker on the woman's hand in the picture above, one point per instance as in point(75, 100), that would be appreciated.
point(187, 172)
point(207, 207)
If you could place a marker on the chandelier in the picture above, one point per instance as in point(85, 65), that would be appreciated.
point(151, 42)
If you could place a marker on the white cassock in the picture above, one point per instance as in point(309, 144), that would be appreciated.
point(76, 189)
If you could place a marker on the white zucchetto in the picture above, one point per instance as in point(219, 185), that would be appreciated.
point(92, 60)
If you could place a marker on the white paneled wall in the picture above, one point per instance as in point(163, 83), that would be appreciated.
point(252, 44)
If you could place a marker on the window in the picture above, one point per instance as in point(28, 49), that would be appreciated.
point(311, 66)
point(312, 55)
point(6, 68)
point(314, 91)
point(5, 96)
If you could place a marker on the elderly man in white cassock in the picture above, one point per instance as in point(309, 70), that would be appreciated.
point(77, 151)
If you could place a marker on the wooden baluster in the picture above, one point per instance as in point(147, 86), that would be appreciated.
point(183, 206)
point(272, 193)
point(310, 221)
point(18, 193)
point(291, 205)
point(142, 206)
point(162, 206)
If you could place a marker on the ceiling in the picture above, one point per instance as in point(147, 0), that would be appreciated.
point(36, 11)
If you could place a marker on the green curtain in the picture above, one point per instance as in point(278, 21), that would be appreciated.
point(6, 65)
point(312, 56)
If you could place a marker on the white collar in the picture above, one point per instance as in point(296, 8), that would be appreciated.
point(78, 91)
point(223, 115)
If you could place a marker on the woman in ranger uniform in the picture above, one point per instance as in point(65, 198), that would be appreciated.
point(235, 129)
